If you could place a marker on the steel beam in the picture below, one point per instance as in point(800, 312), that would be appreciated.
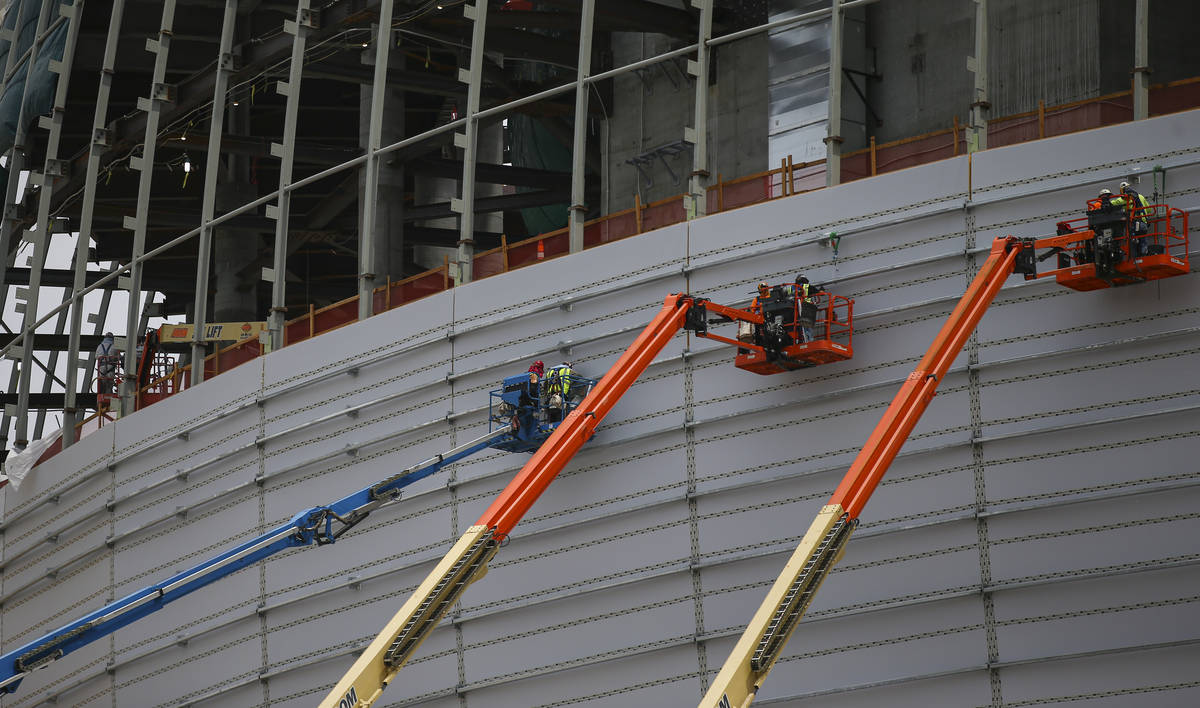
point(578, 210)
point(40, 238)
point(74, 13)
point(366, 237)
point(1141, 61)
point(212, 168)
point(978, 64)
point(153, 107)
point(299, 29)
point(697, 202)
point(99, 120)
point(6, 226)
point(833, 126)
point(465, 205)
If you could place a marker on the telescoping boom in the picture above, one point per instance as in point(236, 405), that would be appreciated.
point(317, 526)
point(821, 548)
point(467, 560)
point(1105, 252)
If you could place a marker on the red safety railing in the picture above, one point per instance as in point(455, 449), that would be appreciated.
point(789, 179)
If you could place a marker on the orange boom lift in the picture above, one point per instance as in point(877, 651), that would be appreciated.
point(467, 560)
point(1113, 250)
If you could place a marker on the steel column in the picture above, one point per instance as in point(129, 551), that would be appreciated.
point(98, 143)
point(366, 238)
point(212, 168)
point(578, 210)
point(286, 152)
point(153, 108)
point(6, 227)
point(11, 36)
point(465, 206)
point(978, 64)
point(39, 238)
point(1141, 61)
point(833, 126)
point(74, 15)
point(697, 202)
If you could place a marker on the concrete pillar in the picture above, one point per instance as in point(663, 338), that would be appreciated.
point(234, 260)
point(235, 252)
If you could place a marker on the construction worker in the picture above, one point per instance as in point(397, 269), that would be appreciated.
point(1110, 225)
point(107, 360)
point(536, 371)
point(806, 304)
point(745, 331)
point(1139, 213)
point(764, 292)
point(558, 390)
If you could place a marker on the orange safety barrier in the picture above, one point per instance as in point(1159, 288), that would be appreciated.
point(789, 179)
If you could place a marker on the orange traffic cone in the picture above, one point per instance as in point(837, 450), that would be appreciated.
point(541, 250)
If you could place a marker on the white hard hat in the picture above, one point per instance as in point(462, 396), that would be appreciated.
point(1124, 186)
point(1104, 191)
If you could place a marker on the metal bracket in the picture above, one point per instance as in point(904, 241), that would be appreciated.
point(660, 153)
point(58, 168)
point(163, 92)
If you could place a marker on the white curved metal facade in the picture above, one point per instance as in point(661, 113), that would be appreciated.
point(1034, 544)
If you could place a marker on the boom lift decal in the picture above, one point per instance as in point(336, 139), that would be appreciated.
point(1106, 254)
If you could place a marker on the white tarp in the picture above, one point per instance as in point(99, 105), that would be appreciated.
point(18, 464)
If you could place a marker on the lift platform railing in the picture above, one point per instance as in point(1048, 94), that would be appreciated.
point(835, 318)
point(1166, 234)
point(1114, 248)
point(316, 526)
point(502, 415)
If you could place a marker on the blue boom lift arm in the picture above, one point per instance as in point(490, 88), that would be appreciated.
point(316, 526)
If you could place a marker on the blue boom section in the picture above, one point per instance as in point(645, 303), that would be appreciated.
point(309, 527)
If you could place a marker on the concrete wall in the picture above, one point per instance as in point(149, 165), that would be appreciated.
point(921, 51)
point(1057, 51)
point(651, 108)
point(1033, 544)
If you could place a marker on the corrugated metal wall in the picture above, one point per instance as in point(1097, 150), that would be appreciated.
point(1034, 543)
point(1044, 51)
point(797, 85)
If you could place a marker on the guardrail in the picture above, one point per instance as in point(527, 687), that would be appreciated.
point(788, 179)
